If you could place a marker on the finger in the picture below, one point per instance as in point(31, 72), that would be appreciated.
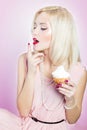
point(66, 92)
point(37, 59)
point(62, 92)
point(29, 49)
point(70, 83)
point(38, 55)
point(38, 62)
point(66, 86)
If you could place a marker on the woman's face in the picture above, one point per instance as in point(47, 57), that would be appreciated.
point(42, 32)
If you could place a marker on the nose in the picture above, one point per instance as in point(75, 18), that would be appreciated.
point(35, 31)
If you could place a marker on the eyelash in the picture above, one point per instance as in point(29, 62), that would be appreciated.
point(41, 28)
point(34, 27)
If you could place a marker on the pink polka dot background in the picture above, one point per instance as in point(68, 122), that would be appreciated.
point(15, 32)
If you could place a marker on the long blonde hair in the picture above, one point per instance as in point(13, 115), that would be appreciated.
point(64, 44)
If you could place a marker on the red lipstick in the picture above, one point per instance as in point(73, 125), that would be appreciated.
point(35, 41)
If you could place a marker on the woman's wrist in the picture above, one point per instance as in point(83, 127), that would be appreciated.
point(70, 103)
point(68, 107)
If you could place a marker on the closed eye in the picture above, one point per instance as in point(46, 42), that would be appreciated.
point(43, 29)
point(34, 27)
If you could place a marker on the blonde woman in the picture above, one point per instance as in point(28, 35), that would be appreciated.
point(43, 104)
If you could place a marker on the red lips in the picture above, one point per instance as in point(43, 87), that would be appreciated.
point(35, 41)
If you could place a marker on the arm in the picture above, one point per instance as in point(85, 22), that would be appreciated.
point(26, 80)
point(73, 114)
point(73, 97)
point(25, 87)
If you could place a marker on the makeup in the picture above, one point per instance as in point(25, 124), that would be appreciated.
point(35, 41)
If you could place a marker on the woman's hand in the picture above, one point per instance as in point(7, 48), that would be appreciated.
point(34, 59)
point(68, 89)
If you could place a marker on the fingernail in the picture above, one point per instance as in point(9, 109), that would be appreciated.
point(58, 85)
point(28, 44)
point(66, 81)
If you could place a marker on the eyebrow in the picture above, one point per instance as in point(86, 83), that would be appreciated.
point(40, 24)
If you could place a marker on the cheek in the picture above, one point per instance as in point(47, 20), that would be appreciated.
point(47, 37)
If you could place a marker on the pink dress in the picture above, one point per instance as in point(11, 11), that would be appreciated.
point(48, 105)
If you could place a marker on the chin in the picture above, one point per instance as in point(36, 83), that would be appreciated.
point(38, 49)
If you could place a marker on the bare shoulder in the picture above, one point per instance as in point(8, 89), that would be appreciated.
point(78, 68)
point(78, 72)
point(22, 70)
point(22, 62)
point(83, 70)
point(82, 73)
point(22, 57)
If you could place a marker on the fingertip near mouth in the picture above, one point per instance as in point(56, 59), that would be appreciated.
point(28, 43)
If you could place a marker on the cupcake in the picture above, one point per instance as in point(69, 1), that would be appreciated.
point(60, 75)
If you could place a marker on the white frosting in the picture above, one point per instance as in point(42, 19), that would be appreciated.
point(60, 73)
